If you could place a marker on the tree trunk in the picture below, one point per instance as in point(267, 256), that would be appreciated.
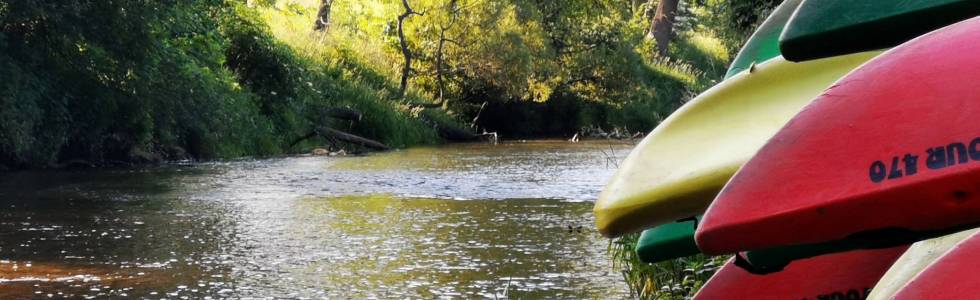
point(407, 70)
point(662, 26)
point(440, 61)
point(323, 16)
point(439, 82)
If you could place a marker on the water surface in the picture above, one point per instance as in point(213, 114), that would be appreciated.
point(456, 221)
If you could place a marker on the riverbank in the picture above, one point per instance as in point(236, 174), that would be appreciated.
point(196, 89)
point(195, 80)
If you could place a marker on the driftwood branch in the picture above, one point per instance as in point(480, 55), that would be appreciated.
point(328, 132)
point(333, 135)
point(425, 105)
point(478, 113)
point(453, 133)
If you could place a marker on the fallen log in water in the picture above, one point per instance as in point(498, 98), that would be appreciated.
point(331, 133)
point(453, 133)
point(337, 135)
point(334, 135)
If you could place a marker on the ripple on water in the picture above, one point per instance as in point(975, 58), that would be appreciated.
point(379, 226)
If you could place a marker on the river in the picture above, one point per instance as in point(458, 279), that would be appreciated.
point(455, 221)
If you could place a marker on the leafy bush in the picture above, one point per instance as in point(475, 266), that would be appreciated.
point(131, 80)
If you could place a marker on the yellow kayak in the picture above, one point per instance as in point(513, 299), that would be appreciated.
point(677, 170)
point(919, 256)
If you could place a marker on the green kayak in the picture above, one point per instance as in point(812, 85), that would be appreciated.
point(668, 241)
point(764, 42)
point(676, 240)
point(825, 28)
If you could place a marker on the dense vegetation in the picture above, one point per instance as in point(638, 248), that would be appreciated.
point(138, 81)
point(533, 67)
point(129, 80)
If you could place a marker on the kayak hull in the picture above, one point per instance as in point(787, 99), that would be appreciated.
point(818, 30)
point(676, 171)
point(764, 42)
point(913, 261)
point(847, 275)
point(668, 241)
point(951, 276)
point(876, 143)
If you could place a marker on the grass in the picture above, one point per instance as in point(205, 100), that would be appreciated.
point(673, 279)
point(357, 73)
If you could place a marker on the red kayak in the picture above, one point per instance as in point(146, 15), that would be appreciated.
point(952, 276)
point(892, 148)
point(848, 275)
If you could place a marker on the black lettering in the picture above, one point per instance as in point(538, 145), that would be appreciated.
point(936, 158)
point(955, 150)
point(911, 164)
point(895, 172)
point(837, 296)
point(975, 149)
point(853, 295)
point(877, 171)
point(823, 297)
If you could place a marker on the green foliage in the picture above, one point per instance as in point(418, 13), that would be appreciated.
point(733, 21)
point(118, 80)
point(136, 81)
point(104, 80)
point(673, 279)
point(527, 58)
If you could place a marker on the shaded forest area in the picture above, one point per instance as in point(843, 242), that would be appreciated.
point(134, 81)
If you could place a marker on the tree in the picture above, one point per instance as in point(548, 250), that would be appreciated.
point(323, 16)
point(453, 10)
point(662, 26)
point(406, 53)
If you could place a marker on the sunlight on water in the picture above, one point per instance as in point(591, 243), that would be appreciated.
point(379, 226)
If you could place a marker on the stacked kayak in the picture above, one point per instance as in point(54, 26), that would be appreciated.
point(668, 241)
point(840, 276)
point(676, 239)
point(764, 42)
point(677, 170)
point(889, 153)
point(919, 256)
point(950, 276)
point(821, 157)
point(824, 28)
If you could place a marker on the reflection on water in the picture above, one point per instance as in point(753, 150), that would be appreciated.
point(380, 226)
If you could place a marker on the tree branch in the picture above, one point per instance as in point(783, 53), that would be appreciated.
point(407, 70)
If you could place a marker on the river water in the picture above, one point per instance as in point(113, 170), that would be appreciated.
point(457, 221)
